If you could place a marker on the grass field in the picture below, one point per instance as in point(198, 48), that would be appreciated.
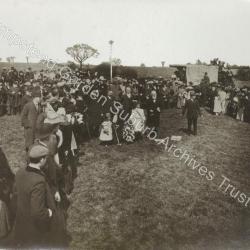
point(140, 197)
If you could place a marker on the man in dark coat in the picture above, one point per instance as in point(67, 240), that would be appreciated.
point(153, 112)
point(27, 96)
point(35, 204)
point(29, 116)
point(7, 213)
point(192, 111)
point(109, 102)
point(6, 178)
point(127, 103)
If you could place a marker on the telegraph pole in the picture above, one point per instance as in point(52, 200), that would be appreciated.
point(111, 73)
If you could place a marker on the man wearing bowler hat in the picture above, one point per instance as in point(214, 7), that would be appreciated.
point(192, 111)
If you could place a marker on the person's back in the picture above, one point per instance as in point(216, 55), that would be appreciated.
point(32, 218)
point(34, 202)
point(25, 99)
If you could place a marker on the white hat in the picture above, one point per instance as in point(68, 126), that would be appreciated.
point(60, 84)
point(53, 118)
point(27, 84)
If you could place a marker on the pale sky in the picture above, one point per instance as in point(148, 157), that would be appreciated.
point(143, 31)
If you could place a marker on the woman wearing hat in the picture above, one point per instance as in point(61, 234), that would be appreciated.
point(47, 128)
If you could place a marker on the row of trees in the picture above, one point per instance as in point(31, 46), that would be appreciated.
point(11, 59)
point(118, 70)
point(82, 52)
point(225, 73)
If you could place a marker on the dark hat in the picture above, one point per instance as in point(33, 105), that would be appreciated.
point(36, 92)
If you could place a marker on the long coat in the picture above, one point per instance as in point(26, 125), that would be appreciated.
point(6, 183)
point(28, 118)
point(32, 224)
point(192, 109)
point(153, 110)
point(127, 103)
point(6, 178)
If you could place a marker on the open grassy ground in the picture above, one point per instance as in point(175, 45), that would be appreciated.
point(140, 197)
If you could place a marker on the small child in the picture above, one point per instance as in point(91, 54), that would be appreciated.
point(217, 105)
point(106, 133)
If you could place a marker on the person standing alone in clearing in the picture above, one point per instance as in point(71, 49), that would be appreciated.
point(192, 111)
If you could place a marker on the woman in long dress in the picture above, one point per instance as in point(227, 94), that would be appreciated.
point(217, 105)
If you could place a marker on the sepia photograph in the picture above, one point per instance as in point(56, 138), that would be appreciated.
point(125, 125)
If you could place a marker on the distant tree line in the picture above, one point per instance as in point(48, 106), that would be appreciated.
point(243, 74)
point(118, 70)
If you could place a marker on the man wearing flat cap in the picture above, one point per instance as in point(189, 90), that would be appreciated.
point(29, 116)
point(35, 204)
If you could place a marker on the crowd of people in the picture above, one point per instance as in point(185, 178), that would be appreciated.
point(16, 86)
point(60, 110)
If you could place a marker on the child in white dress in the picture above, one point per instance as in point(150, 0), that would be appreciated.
point(106, 133)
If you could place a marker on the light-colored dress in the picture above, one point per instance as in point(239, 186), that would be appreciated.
point(217, 105)
point(223, 96)
point(138, 119)
point(106, 133)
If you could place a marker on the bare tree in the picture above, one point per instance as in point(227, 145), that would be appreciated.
point(217, 62)
point(81, 52)
point(162, 63)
